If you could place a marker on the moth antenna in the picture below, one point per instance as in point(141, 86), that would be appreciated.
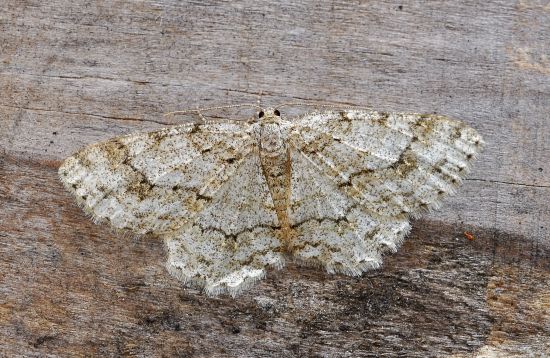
point(187, 111)
point(325, 105)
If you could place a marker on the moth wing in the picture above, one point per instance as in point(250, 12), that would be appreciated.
point(157, 181)
point(393, 163)
point(332, 229)
point(196, 186)
point(233, 240)
point(373, 171)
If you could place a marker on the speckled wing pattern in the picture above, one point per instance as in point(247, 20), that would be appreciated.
point(359, 175)
point(186, 185)
point(344, 186)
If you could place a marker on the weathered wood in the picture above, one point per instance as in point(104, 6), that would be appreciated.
point(72, 73)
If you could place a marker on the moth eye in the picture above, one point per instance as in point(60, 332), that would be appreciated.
point(277, 113)
point(261, 114)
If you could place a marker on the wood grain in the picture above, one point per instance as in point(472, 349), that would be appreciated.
point(75, 72)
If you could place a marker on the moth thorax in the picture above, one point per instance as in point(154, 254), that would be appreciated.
point(272, 140)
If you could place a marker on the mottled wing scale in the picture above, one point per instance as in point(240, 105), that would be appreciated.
point(188, 184)
point(376, 170)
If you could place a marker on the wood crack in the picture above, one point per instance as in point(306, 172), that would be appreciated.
point(509, 183)
point(88, 114)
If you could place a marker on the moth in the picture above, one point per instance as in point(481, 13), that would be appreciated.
point(333, 188)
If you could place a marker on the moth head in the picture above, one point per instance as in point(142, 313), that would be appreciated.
point(269, 115)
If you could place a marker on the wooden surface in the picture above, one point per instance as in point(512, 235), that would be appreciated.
point(75, 72)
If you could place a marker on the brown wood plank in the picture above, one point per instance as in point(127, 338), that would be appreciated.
point(75, 72)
